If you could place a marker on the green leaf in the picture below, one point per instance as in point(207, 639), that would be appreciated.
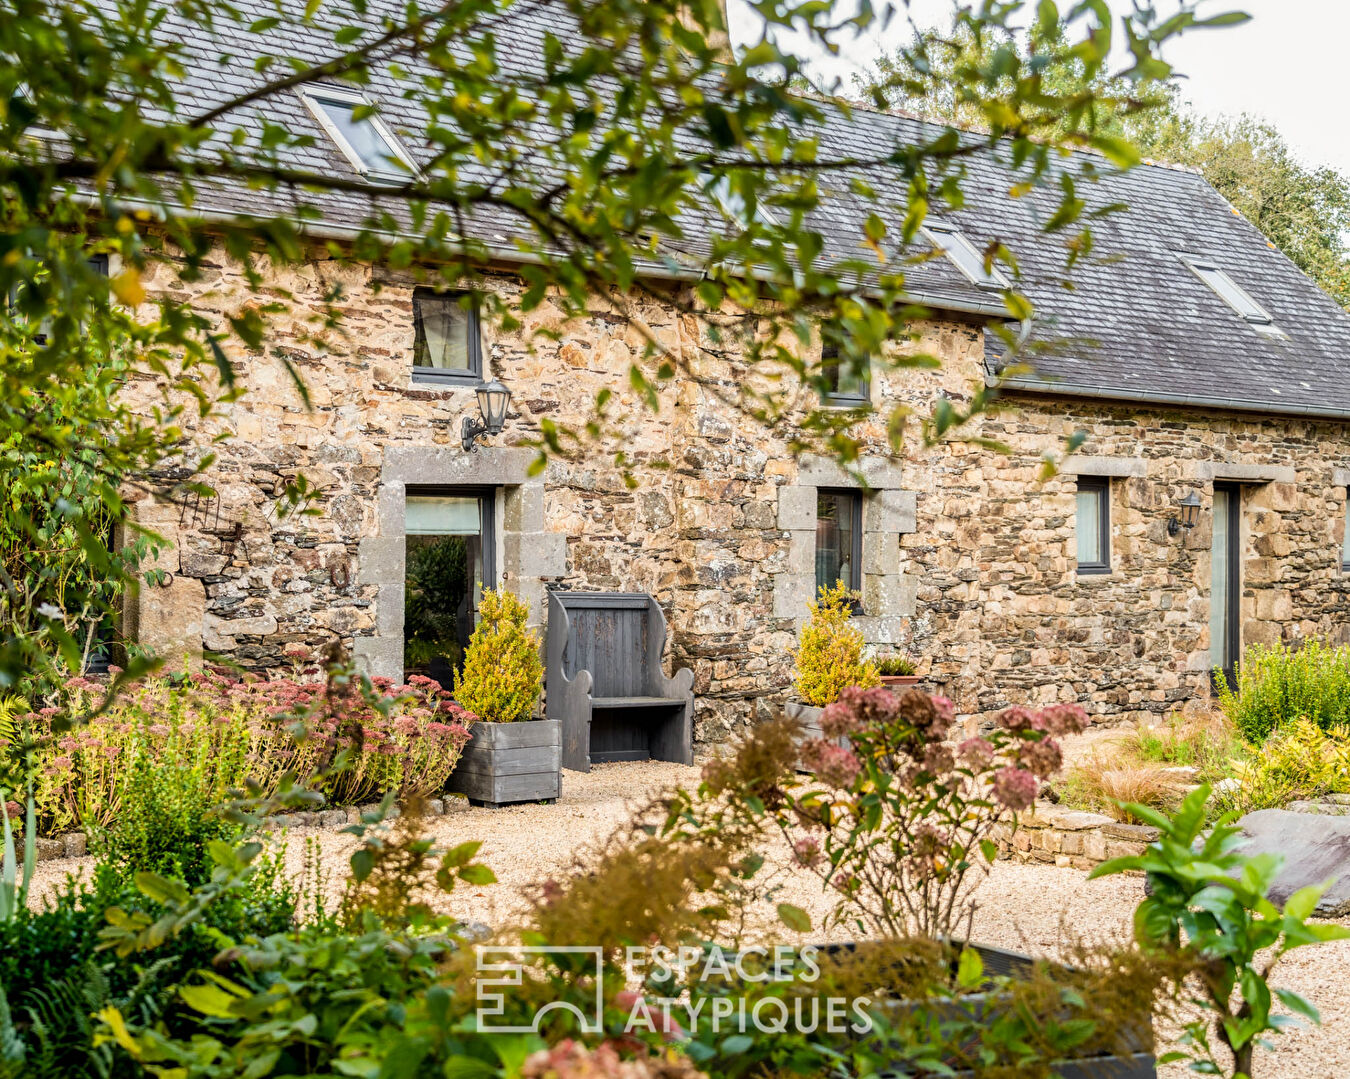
point(969, 969)
point(1299, 1005)
point(1303, 902)
point(736, 1044)
point(461, 854)
point(794, 918)
point(210, 1000)
point(1120, 152)
point(477, 874)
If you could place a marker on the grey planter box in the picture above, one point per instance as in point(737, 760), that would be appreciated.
point(506, 763)
point(808, 715)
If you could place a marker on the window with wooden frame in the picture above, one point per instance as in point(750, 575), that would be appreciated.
point(838, 539)
point(447, 346)
point(1092, 525)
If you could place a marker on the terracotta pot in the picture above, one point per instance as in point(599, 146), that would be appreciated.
point(894, 680)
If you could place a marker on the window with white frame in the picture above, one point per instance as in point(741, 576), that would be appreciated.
point(952, 242)
point(1233, 294)
point(351, 121)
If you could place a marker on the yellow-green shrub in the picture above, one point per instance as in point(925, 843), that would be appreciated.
point(502, 673)
point(829, 656)
point(1300, 760)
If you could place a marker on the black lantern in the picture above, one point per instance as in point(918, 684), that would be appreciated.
point(493, 399)
point(1190, 513)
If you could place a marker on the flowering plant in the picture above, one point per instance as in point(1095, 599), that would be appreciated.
point(228, 732)
point(899, 816)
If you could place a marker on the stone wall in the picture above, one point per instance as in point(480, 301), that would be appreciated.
point(1053, 835)
point(968, 557)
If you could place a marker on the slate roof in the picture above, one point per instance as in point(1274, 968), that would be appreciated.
point(1136, 324)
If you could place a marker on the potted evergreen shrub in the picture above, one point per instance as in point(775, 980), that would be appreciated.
point(512, 756)
point(829, 658)
point(896, 670)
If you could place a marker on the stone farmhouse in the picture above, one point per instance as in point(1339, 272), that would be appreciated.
point(1205, 513)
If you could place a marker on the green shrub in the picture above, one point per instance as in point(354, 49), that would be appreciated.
point(169, 814)
point(1277, 685)
point(502, 673)
point(893, 666)
point(54, 977)
point(829, 656)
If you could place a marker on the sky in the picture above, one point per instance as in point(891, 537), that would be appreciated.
point(1287, 65)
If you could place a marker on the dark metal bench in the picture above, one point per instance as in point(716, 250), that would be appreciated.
point(606, 684)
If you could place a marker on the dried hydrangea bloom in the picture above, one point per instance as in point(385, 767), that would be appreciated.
point(1015, 788)
point(832, 764)
point(977, 753)
point(1041, 758)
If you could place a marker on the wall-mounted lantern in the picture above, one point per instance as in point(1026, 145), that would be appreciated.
point(1189, 514)
point(493, 399)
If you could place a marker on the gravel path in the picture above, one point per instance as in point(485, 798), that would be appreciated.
point(1027, 907)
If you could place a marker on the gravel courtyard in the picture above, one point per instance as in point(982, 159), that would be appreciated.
point(1020, 906)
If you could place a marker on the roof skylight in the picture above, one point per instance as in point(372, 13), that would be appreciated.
point(732, 203)
point(952, 242)
point(1232, 294)
point(365, 141)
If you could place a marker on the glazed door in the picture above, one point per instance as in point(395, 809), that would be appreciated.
point(1225, 593)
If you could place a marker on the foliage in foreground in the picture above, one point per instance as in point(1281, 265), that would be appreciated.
point(898, 817)
point(1208, 908)
point(1279, 683)
point(385, 986)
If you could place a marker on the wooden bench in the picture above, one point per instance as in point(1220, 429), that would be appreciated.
point(606, 684)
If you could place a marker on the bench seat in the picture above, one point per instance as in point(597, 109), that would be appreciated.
point(606, 685)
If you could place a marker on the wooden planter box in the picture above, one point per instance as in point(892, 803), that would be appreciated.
point(506, 763)
point(1132, 1059)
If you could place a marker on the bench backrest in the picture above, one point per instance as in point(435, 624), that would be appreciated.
point(607, 634)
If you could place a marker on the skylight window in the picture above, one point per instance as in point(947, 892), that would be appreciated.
point(1232, 294)
point(732, 203)
point(952, 242)
point(366, 142)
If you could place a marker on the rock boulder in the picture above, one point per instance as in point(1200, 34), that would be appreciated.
point(1314, 847)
